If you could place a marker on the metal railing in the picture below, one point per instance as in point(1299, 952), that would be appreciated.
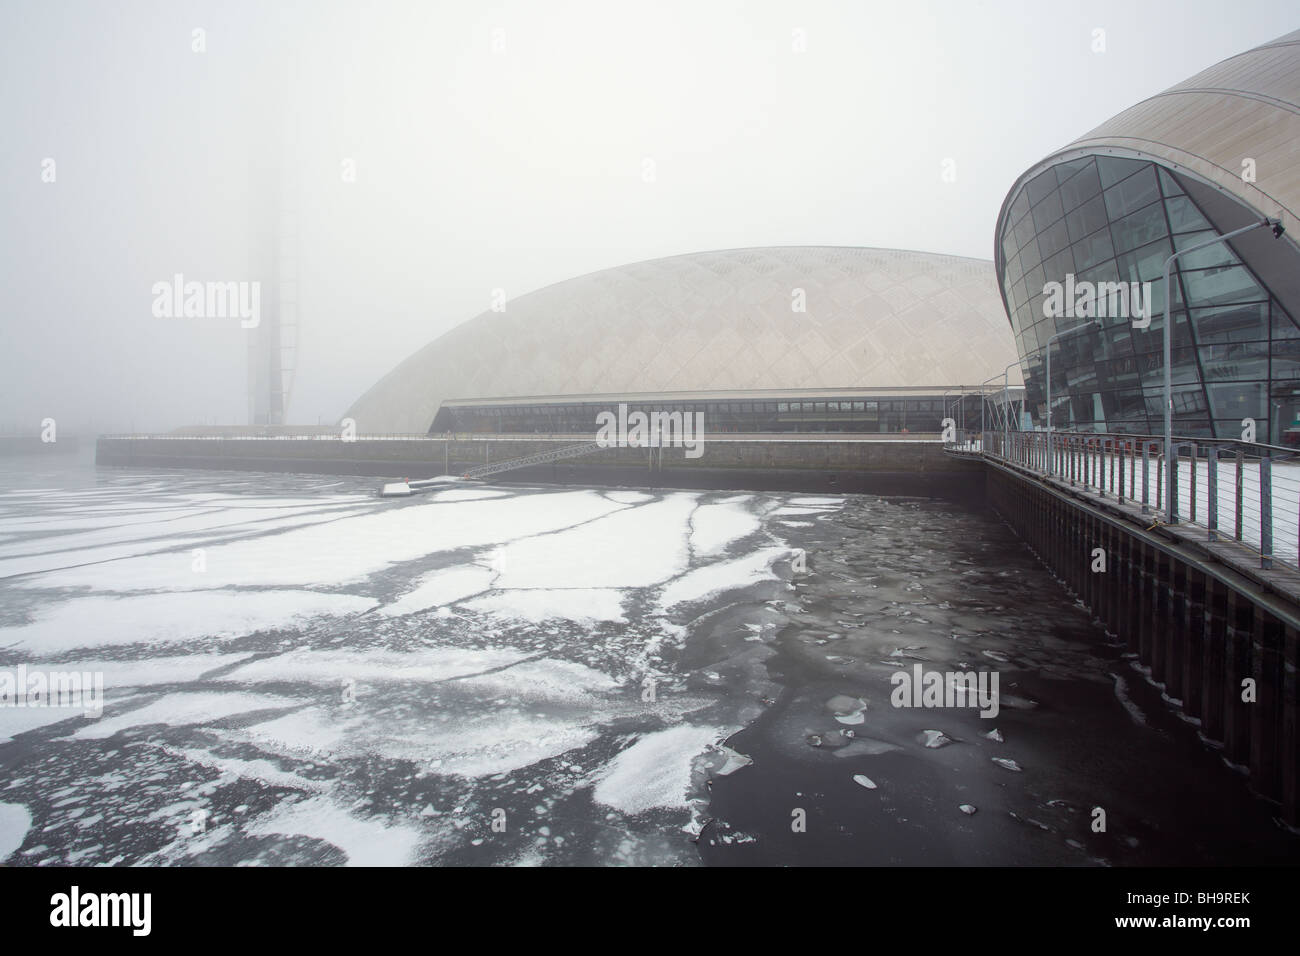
point(541, 458)
point(1233, 490)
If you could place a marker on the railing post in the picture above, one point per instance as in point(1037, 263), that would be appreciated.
point(1101, 467)
point(1160, 480)
point(1146, 474)
point(1237, 514)
point(1212, 493)
point(1116, 466)
point(1171, 493)
point(1119, 497)
point(1132, 471)
point(1266, 513)
point(1191, 484)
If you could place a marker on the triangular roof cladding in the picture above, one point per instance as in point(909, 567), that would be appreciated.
point(714, 321)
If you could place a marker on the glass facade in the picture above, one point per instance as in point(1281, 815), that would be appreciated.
point(1104, 219)
point(919, 414)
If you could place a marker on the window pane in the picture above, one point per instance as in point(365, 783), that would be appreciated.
point(1047, 212)
point(1065, 171)
point(1025, 238)
point(1215, 286)
point(1040, 186)
point(1059, 265)
point(1081, 186)
point(1113, 169)
point(1238, 400)
point(1087, 219)
point(1235, 361)
point(1215, 255)
point(1283, 327)
point(1133, 193)
point(1014, 270)
point(1286, 362)
point(1184, 216)
point(1053, 239)
point(1146, 264)
point(1233, 323)
point(1168, 185)
point(1093, 250)
point(1140, 228)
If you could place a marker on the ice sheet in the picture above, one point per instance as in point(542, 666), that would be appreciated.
point(179, 616)
point(343, 551)
point(544, 604)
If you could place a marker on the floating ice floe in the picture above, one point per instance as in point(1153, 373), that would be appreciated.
point(655, 772)
point(722, 576)
point(351, 549)
point(20, 720)
point(864, 781)
point(15, 821)
point(175, 617)
point(831, 739)
point(1006, 763)
point(372, 665)
point(185, 709)
point(994, 736)
point(847, 710)
point(934, 739)
point(441, 587)
point(366, 842)
point(733, 761)
point(637, 546)
point(967, 809)
point(714, 526)
point(865, 747)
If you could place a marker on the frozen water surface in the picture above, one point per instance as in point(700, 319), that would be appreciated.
point(297, 672)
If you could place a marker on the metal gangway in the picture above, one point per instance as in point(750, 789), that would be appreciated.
point(541, 458)
point(404, 487)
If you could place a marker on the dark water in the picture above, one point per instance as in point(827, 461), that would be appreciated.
point(952, 586)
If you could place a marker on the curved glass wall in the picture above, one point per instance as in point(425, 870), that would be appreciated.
point(1104, 219)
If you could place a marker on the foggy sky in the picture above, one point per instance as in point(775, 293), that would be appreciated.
point(498, 146)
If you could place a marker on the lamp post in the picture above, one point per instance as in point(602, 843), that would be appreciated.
point(946, 393)
point(1070, 331)
point(1006, 400)
point(982, 403)
point(1171, 466)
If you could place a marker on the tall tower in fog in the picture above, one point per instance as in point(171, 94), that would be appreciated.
point(273, 252)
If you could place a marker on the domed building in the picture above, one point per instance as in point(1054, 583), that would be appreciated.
point(758, 340)
point(1218, 151)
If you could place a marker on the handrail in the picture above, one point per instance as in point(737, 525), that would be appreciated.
point(1255, 500)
